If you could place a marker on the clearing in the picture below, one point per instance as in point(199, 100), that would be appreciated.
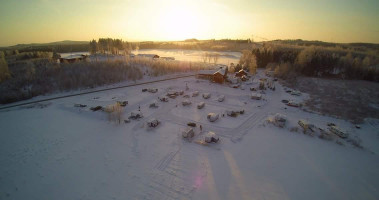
point(54, 150)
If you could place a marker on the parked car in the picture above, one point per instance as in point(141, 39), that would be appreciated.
point(191, 124)
point(164, 99)
point(306, 125)
point(211, 137)
point(280, 120)
point(136, 115)
point(144, 90)
point(232, 113)
point(221, 98)
point(188, 133)
point(80, 105)
point(293, 104)
point(195, 94)
point(256, 96)
point(200, 105)
point(152, 90)
point(336, 130)
point(212, 117)
point(296, 93)
point(153, 122)
point(96, 108)
point(154, 104)
point(206, 95)
point(172, 94)
point(186, 102)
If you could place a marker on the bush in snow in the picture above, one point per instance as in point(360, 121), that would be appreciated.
point(114, 112)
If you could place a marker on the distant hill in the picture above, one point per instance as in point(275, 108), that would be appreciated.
point(326, 44)
point(64, 42)
point(60, 46)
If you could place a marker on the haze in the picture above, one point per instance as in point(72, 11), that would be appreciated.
point(39, 21)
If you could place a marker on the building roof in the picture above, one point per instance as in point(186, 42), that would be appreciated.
point(221, 71)
point(242, 71)
point(206, 72)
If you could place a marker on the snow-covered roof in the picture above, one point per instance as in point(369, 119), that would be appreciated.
point(242, 71)
point(206, 72)
point(221, 71)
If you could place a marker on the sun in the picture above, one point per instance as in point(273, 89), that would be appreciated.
point(178, 22)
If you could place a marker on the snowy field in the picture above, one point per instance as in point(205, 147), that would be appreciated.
point(53, 150)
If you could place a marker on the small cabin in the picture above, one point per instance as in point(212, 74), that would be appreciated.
point(217, 75)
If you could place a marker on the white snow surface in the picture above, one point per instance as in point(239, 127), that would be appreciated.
point(64, 152)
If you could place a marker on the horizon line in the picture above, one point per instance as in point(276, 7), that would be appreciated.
point(68, 40)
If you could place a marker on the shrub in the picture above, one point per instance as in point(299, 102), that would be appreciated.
point(4, 71)
point(114, 112)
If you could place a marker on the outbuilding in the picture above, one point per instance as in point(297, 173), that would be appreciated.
point(241, 73)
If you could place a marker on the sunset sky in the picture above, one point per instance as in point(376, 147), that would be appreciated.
point(38, 21)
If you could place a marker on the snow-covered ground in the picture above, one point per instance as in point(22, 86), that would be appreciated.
point(54, 150)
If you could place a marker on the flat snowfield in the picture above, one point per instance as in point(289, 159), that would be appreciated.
point(54, 150)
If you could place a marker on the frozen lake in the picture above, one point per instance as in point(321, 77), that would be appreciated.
point(192, 55)
point(182, 55)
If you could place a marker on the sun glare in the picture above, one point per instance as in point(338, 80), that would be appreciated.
point(180, 22)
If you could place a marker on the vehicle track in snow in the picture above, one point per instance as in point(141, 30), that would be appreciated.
point(172, 177)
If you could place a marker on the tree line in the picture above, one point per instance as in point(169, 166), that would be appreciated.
point(110, 46)
point(316, 61)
